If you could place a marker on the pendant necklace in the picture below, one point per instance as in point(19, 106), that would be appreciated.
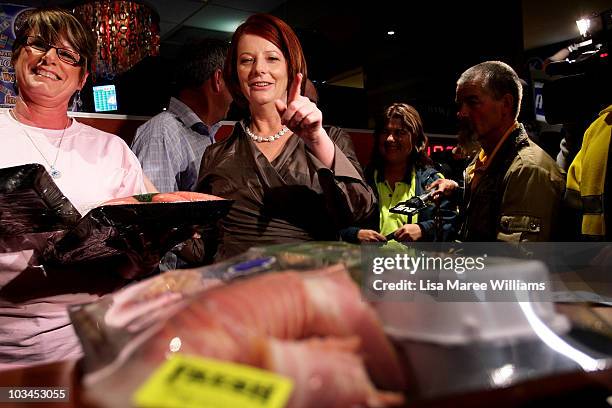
point(54, 172)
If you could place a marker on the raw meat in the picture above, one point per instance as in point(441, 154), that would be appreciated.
point(174, 197)
point(310, 326)
point(193, 196)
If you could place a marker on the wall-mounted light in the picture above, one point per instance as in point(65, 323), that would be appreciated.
point(583, 26)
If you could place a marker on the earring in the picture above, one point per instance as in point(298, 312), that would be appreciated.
point(76, 101)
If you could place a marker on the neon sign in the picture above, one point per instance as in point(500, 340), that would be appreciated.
point(438, 148)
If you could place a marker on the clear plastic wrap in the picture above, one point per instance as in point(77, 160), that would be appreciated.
point(162, 294)
point(117, 332)
point(31, 207)
point(458, 341)
point(138, 233)
point(306, 326)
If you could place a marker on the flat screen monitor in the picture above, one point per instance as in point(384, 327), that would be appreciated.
point(105, 98)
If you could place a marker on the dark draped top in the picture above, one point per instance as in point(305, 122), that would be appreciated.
point(294, 198)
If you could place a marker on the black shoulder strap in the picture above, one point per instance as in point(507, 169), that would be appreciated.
point(607, 196)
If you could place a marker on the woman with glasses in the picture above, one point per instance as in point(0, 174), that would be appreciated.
point(400, 170)
point(291, 179)
point(52, 56)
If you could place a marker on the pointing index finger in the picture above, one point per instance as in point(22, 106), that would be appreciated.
point(295, 89)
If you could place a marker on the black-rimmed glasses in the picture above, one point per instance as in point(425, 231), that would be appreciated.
point(68, 56)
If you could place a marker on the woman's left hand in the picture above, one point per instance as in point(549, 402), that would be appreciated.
point(409, 232)
point(300, 115)
point(304, 119)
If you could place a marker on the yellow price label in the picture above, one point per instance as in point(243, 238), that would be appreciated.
point(187, 381)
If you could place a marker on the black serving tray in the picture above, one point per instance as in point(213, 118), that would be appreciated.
point(145, 231)
point(35, 214)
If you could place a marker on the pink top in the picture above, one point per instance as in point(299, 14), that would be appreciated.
point(95, 166)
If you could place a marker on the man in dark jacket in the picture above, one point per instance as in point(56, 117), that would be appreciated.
point(513, 189)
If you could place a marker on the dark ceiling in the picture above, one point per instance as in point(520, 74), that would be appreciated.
point(432, 43)
point(334, 33)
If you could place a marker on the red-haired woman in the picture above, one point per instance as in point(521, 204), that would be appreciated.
point(291, 179)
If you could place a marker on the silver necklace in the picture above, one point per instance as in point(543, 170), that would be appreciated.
point(260, 139)
point(55, 173)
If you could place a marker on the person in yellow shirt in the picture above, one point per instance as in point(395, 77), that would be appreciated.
point(399, 170)
point(589, 180)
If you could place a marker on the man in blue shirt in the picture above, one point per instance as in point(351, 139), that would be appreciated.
point(171, 144)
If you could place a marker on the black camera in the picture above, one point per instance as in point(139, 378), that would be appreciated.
point(583, 85)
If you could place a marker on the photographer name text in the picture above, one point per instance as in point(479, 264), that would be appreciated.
point(500, 285)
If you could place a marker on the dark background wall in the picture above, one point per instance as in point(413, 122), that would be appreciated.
point(433, 43)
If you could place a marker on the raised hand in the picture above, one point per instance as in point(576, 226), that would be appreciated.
point(300, 115)
point(304, 119)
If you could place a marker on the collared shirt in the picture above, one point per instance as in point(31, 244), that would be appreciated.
point(390, 197)
point(170, 147)
point(483, 160)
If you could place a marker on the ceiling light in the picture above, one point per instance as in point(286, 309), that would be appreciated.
point(391, 32)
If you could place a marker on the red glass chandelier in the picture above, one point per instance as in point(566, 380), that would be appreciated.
point(126, 32)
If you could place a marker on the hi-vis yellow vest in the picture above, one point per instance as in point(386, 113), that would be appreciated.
point(586, 176)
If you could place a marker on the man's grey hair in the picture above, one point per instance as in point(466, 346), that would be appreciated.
point(197, 61)
point(498, 78)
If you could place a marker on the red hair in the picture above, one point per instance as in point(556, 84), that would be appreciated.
point(278, 33)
